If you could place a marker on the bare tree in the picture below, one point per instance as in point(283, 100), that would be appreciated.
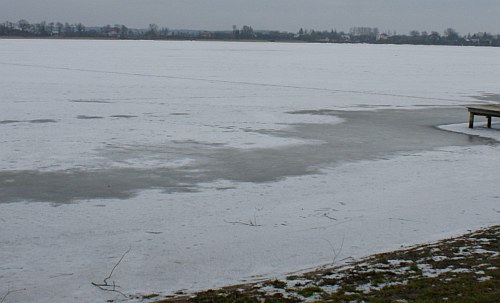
point(153, 31)
point(23, 25)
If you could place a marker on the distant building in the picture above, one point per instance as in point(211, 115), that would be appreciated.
point(382, 37)
point(345, 38)
point(205, 35)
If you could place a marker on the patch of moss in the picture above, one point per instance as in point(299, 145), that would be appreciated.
point(278, 298)
point(150, 296)
point(414, 267)
point(214, 296)
point(309, 291)
point(276, 284)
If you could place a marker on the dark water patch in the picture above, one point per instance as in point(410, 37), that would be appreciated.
point(364, 135)
point(66, 186)
point(9, 121)
point(123, 116)
point(488, 97)
point(226, 188)
point(318, 112)
point(88, 117)
point(179, 114)
point(43, 121)
point(91, 101)
point(197, 144)
point(371, 134)
point(424, 106)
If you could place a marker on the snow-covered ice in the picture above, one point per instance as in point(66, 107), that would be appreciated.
point(219, 163)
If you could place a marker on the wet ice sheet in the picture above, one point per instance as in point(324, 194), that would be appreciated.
point(480, 129)
point(79, 139)
point(362, 136)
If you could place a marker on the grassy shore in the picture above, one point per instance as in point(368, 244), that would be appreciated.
point(461, 269)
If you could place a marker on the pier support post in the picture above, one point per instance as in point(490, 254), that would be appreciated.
point(471, 120)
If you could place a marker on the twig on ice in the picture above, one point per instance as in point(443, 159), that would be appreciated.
point(336, 252)
point(249, 223)
point(111, 287)
point(5, 296)
point(327, 216)
point(8, 293)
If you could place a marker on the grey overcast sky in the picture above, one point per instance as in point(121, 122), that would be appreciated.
point(466, 16)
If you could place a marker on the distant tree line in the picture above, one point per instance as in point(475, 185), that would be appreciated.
point(373, 35)
point(23, 28)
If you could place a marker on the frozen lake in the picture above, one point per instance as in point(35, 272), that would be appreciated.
point(222, 162)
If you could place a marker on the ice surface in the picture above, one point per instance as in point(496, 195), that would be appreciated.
point(222, 162)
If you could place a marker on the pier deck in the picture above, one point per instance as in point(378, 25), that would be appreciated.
point(487, 110)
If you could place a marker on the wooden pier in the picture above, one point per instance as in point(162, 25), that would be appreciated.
point(487, 110)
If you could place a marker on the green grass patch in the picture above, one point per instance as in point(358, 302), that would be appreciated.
point(309, 291)
point(461, 270)
point(276, 284)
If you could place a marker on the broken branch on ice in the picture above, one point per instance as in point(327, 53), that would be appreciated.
point(8, 293)
point(249, 223)
point(111, 287)
point(327, 216)
point(336, 252)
